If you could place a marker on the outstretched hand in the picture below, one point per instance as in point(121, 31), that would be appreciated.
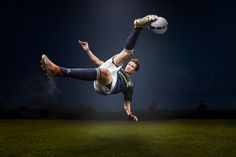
point(84, 45)
point(133, 117)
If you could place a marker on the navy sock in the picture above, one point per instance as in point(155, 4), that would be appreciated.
point(86, 74)
point(131, 40)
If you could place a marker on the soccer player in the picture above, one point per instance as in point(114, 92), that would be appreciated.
point(109, 77)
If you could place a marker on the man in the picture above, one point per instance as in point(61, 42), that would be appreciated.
point(109, 77)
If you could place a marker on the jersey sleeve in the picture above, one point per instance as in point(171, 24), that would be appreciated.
point(128, 94)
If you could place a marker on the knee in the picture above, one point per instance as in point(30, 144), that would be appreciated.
point(105, 76)
point(128, 52)
point(104, 73)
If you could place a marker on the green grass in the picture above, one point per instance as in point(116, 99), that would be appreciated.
point(65, 138)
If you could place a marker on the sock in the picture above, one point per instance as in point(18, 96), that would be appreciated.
point(131, 40)
point(86, 74)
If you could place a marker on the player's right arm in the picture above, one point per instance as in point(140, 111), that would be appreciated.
point(90, 54)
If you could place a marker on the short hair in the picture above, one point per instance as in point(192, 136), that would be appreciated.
point(136, 61)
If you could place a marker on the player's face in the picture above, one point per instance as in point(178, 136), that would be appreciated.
point(130, 68)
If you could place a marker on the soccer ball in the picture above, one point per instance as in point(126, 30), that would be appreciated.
point(159, 26)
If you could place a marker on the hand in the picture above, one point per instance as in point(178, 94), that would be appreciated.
point(84, 45)
point(133, 117)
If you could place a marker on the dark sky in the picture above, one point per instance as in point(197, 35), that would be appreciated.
point(193, 60)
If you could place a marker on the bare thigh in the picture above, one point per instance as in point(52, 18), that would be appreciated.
point(122, 57)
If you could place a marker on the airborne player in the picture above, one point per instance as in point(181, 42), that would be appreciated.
point(109, 77)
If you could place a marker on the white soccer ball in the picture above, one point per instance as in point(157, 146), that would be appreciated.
point(159, 26)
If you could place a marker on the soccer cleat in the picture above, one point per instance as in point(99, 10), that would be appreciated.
point(145, 21)
point(49, 67)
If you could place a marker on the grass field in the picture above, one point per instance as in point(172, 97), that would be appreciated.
point(65, 138)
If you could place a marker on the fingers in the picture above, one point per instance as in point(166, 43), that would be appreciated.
point(82, 42)
point(133, 118)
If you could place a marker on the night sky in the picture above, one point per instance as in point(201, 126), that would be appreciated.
point(193, 60)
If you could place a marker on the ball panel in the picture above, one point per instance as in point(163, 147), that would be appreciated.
point(159, 26)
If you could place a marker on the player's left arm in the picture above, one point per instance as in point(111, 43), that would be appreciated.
point(127, 104)
point(127, 107)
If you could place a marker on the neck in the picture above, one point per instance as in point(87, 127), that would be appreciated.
point(127, 74)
